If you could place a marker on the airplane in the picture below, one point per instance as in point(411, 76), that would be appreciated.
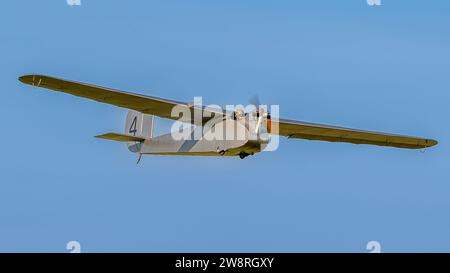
point(253, 125)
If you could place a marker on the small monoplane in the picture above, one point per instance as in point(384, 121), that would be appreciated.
point(243, 132)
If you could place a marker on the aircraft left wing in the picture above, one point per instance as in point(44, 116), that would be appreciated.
point(144, 104)
point(313, 131)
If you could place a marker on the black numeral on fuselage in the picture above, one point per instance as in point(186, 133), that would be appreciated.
point(133, 129)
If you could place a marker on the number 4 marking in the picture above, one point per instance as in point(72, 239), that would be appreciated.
point(133, 129)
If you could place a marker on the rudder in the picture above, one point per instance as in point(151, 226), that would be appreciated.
point(138, 125)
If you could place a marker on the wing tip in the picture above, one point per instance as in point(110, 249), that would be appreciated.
point(431, 143)
point(25, 78)
point(32, 79)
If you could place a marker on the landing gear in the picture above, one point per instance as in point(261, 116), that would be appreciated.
point(243, 155)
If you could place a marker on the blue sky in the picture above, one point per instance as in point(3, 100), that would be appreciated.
point(337, 62)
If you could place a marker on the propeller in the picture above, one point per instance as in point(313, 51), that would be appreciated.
point(254, 100)
point(260, 112)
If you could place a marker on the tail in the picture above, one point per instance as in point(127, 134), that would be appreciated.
point(139, 125)
point(138, 128)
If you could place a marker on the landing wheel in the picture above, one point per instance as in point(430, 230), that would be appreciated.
point(243, 155)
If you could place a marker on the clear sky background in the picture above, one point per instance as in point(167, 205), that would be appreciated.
point(338, 62)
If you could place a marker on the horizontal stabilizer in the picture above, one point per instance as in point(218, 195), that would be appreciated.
point(121, 137)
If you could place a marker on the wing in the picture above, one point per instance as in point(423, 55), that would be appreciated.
point(311, 131)
point(144, 104)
